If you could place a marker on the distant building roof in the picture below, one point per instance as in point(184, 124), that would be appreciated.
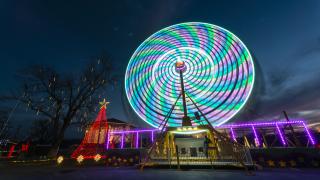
point(117, 121)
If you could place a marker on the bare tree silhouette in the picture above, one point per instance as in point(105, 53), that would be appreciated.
point(4, 127)
point(63, 98)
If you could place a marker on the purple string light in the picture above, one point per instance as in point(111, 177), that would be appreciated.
point(233, 135)
point(280, 134)
point(152, 136)
point(134, 131)
point(122, 140)
point(107, 144)
point(260, 124)
point(255, 135)
point(309, 135)
point(231, 127)
point(129, 132)
point(137, 139)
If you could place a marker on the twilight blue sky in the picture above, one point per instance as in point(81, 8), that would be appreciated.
point(284, 36)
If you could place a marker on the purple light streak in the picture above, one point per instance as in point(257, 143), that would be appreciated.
point(233, 135)
point(152, 136)
point(255, 135)
point(129, 132)
point(308, 133)
point(231, 127)
point(134, 131)
point(122, 140)
point(108, 138)
point(137, 139)
point(263, 124)
point(280, 134)
point(259, 124)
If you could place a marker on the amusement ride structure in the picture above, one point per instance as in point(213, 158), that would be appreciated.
point(192, 76)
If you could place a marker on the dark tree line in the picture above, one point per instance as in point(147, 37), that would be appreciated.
point(62, 99)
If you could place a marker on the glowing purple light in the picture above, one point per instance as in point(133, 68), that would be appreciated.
point(280, 134)
point(309, 135)
point(134, 131)
point(233, 135)
point(259, 124)
point(231, 127)
point(255, 135)
point(137, 139)
point(152, 136)
point(275, 123)
point(122, 140)
point(108, 138)
point(123, 133)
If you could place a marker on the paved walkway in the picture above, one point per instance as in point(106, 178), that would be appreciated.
point(93, 173)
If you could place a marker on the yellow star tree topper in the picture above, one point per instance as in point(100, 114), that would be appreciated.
point(104, 104)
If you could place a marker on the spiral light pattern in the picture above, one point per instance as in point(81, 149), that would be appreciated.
point(219, 74)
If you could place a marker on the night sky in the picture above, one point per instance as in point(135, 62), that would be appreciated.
point(284, 37)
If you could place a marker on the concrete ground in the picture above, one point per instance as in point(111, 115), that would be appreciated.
point(93, 173)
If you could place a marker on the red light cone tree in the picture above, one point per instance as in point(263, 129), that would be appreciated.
point(93, 143)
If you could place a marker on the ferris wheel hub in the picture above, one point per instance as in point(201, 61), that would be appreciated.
point(180, 65)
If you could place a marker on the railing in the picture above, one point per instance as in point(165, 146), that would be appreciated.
point(215, 156)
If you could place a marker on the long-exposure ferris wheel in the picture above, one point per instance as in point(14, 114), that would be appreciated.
point(216, 66)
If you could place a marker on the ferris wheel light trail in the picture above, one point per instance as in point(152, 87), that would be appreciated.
point(218, 74)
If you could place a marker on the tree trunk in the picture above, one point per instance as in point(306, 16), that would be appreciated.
point(56, 143)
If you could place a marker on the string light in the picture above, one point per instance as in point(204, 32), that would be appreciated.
point(97, 157)
point(99, 125)
point(60, 159)
point(232, 127)
point(80, 158)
